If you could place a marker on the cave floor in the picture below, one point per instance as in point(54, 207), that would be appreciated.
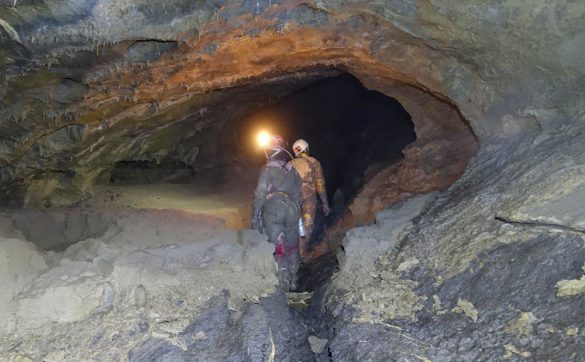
point(185, 242)
point(226, 202)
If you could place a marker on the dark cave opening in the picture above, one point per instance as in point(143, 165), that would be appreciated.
point(147, 172)
point(354, 132)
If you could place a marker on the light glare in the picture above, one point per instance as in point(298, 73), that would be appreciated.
point(263, 139)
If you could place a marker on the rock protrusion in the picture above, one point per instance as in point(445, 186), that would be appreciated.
point(140, 296)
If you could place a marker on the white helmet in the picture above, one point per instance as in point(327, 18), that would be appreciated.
point(300, 146)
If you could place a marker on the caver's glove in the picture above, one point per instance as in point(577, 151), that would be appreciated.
point(326, 209)
point(257, 223)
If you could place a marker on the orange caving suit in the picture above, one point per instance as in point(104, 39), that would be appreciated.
point(313, 183)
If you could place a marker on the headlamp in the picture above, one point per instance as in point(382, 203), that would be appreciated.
point(264, 139)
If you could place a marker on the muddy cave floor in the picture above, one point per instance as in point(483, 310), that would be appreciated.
point(199, 223)
point(229, 202)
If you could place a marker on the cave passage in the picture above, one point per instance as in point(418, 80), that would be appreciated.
point(351, 130)
point(449, 132)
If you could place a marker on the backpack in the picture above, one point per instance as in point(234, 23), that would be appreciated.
point(284, 178)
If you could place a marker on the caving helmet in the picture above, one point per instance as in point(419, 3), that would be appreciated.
point(300, 146)
point(277, 149)
point(277, 142)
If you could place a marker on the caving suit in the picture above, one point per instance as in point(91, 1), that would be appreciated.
point(313, 184)
point(277, 201)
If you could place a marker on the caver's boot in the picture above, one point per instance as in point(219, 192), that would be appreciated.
point(284, 279)
point(293, 285)
point(293, 266)
point(303, 248)
point(282, 272)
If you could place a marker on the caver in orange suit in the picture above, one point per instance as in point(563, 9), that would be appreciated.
point(313, 184)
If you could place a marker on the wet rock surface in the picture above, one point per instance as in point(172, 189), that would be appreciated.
point(460, 282)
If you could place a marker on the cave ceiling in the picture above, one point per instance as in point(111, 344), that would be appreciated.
point(88, 83)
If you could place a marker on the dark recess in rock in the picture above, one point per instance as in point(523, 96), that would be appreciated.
point(144, 172)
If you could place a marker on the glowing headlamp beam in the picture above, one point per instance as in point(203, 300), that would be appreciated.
point(263, 139)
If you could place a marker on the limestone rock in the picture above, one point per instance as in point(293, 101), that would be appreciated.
point(511, 350)
point(523, 324)
point(362, 283)
point(140, 296)
point(475, 258)
point(567, 288)
point(20, 264)
point(317, 344)
point(68, 293)
point(87, 295)
point(362, 245)
point(298, 300)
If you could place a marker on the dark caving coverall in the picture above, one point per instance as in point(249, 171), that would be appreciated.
point(313, 184)
point(277, 201)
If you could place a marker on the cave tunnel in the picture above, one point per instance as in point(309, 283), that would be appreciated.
point(451, 137)
point(356, 133)
point(352, 131)
point(373, 152)
point(348, 127)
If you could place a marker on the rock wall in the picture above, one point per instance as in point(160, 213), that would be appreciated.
point(489, 270)
point(445, 143)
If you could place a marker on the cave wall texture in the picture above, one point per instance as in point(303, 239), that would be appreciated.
point(86, 84)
